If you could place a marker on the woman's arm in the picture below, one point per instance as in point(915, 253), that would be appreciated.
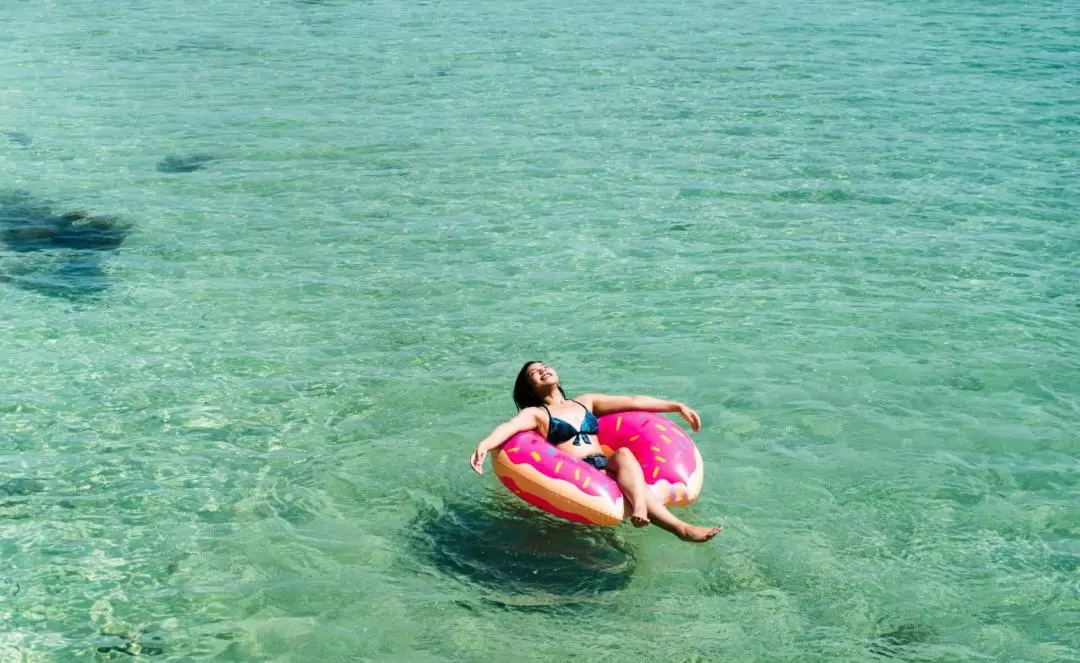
point(602, 404)
point(525, 420)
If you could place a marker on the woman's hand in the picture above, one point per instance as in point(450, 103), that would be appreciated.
point(691, 417)
point(477, 460)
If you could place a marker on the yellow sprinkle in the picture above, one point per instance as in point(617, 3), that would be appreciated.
point(535, 456)
point(634, 438)
point(618, 422)
point(656, 470)
point(514, 450)
point(655, 448)
point(577, 474)
point(659, 459)
point(665, 438)
point(558, 466)
point(586, 484)
point(659, 427)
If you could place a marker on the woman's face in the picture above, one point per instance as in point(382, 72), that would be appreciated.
point(540, 374)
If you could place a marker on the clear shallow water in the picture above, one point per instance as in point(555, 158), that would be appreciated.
point(845, 233)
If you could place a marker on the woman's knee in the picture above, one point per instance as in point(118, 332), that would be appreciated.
point(624, 457)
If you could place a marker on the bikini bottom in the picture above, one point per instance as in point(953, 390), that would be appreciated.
point(599, 461)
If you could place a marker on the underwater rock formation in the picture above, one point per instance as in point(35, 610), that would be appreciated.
point(183, 164)
point(19, 138)
point(55, 254)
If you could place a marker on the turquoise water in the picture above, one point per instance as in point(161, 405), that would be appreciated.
point(844, 232)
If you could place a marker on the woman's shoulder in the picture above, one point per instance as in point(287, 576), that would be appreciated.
point(532, 412)
point(587, 399)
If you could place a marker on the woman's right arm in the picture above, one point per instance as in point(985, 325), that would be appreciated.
point(525, 420)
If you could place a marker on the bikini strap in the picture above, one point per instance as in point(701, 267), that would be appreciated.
point(551, 420)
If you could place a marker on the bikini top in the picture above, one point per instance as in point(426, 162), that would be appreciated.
point(560, 431)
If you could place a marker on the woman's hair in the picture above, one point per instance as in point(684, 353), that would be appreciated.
point(524, 394)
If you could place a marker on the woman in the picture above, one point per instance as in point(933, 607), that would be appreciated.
point(543, 407)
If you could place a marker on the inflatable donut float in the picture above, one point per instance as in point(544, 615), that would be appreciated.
point(569, 488)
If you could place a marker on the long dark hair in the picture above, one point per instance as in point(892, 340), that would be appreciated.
point(524, 394)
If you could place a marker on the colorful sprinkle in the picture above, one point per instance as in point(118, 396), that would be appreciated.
point(659, 427)
point(558, 466)
point(586, 484)
point(665, 438)
point(634, 438)
point(656, 470)
point(618, 423)
point(535, 456)
point(659, 459)
point(577, 474)
point(514, 450)
point(655, 448)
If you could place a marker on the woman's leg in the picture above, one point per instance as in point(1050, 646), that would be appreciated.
point(667, 520)
point(631, 480)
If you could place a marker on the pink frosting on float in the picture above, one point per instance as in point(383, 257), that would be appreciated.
point(665, 452)
point(530, 449)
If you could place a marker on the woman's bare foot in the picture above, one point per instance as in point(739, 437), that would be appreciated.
point(697, 534)
point(640, 517)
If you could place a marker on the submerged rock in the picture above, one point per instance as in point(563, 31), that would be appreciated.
point(56, 254)
point(72, 230)
point(19, 138)
point(183, 164)
point(13, 487)
point(895, 643)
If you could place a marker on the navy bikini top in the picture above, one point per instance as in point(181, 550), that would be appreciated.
point(560, 431)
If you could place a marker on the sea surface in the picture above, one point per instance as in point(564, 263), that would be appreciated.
point(317, 239)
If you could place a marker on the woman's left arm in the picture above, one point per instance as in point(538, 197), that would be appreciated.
point(602, 404)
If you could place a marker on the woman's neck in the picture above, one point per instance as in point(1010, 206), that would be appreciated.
point(555, 397)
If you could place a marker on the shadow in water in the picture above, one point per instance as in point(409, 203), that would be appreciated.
point(526, 560)
point(55, 254)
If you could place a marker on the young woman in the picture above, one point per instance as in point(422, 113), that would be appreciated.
point(543, 407)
